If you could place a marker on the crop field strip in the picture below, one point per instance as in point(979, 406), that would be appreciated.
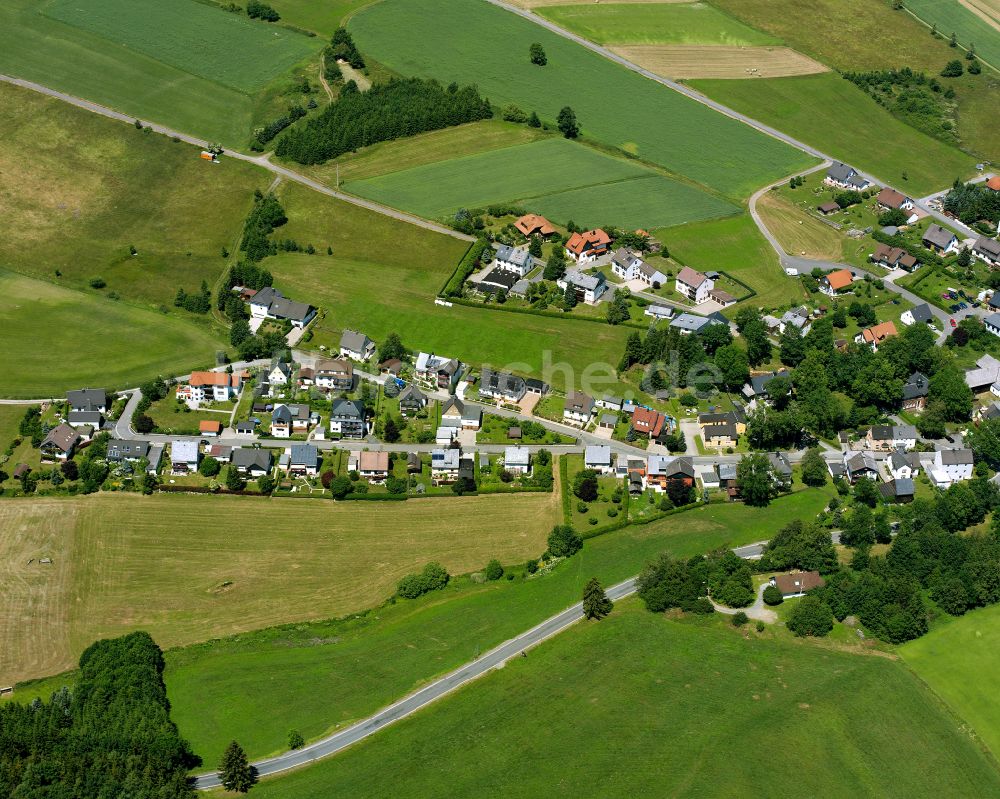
point(125, 562)
point(129, 75)
point(969, 27)
point(536, 175)
point(685, 62)
point(614, 106)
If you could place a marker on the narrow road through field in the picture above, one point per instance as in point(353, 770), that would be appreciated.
point(259, 160)
point(440, 687)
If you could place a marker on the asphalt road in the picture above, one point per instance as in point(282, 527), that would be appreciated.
point(259, 160)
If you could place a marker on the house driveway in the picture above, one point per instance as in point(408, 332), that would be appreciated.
point(603, 432)
point(255, 322)
point(528, 403)
point(758, 610)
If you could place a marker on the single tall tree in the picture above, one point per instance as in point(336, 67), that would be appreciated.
point(537, 53)
point(596, 604)
point(566, 121)
point(235, 770)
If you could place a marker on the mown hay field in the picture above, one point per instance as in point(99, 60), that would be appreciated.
point(189, 568)
point(720, 61)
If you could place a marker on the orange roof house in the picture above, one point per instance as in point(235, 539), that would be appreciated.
point(209, 427)
point(835, 281)
point(215, 379)
point(993, 183)
point(588, 245)
point(648, 421)
point(879, 333)
point(530, 224)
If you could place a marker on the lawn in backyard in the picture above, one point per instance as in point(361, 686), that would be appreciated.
point(958, 660)
point(952, 16)
point(186, 64)
point(362, 663)
point(840, 33)
point(736, 246)
point(172, 564)
point(664, 693)
point(46, 354)
point(555, 177)
point(655, 23)
point(613, 105)
point(79, 190)
point(835, 116)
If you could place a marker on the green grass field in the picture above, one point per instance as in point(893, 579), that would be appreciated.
point(92, 188)
point(835, 116)
point(192, 66)
point(841, 32)
point(323, 18)
point(174, 565)
point(230, 49)
point(951, 16)
point(556, 177)
point(958, 661)
point(359, 665)
point(57, 339)
point(696, 708)
point(612, 104)
point(383, 277)
point(655, 23)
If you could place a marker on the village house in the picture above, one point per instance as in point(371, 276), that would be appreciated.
point(915, 392)
point(987, 250)
point(252, 461)
point(578, 407)
point(893, 258)
point(993, 183)
point(87, 407)
point(445, 463)
point(873, 336)
point(356, 346)
point(799, 318)
point(720, 435)
point(737, 418)
point(598, 458)
point(588, 288)
point(210, 427)
point(828, 208)
point(280, 374)
point(439, 372)
point(780, 466)
point(516, 260)
point(834, 282)
point(610, 403)
point(534, 225)
point(59, 443)
point(951, 466)
point(287, 420)
point(860, 465)
point(845, 177)
point(269, 303)
point(661, 470)
point(334, 374)
point(184, 456)
point(693, 285)
point(373, 466)
point(796, 583)
point(412, 400)
point(588, 246)
point(986, 373)
point(688, 323)
point(445, 435)
point(629, 265)
point(659, 312)
point(917, 314)
point(891, 200)
point(120, 451)
point(992, 323)
point(903, 464)
point(306, 377)
point(757, 387)
point(347, 418)
point(517, 460)
point(501, 386)
point(886, 438)
point(898, 490)
point(937, 239)
point(647, 422)
point(208, 386)
point(303, 460)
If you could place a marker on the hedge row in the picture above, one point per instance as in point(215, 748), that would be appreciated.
point(465, 268)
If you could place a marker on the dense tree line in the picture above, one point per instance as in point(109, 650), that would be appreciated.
point(921, 102)
point(971, 202)
point(342, 48)
point(197, 301)
point(387, 111)
point(667, 583)
point(266, 215)
point(259, 10)
point(111, 736)
point(273, 128)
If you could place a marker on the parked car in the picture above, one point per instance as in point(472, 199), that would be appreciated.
point(963, 305)
point(953, 323)
point(953, 308)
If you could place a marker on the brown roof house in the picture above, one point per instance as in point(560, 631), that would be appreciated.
point(797, 583)
point(59, 444)
point(533, 224)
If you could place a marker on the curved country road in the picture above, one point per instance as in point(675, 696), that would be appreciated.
point(439, 688)
point(259, 160)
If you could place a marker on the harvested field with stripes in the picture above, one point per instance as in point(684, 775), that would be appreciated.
point(719, 61)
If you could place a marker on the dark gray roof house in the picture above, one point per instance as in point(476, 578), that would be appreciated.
point(987, 248)
point(87, 399)
point(758, 383)
point(252, 459)
point(780, 464)
point(245, 428)
point(938, 238)
point(93, 418)
point(304, 455)
point(922, 313)
point(502, 385)
point(121, 450)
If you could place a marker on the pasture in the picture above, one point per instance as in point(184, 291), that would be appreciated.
point(321, 18)
point(835, 116)
point(958, 660)
point(362, 663)
point(613, 105)
point(207, 79)
point(655, 23)
point(840, 33)
point(556, 177)
point(185, 568)
point(93, 187)
point(57, 339)
point(230, 49)
point(971, 25)
point(797, 231)
point(719, 61)
point(664, 693)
